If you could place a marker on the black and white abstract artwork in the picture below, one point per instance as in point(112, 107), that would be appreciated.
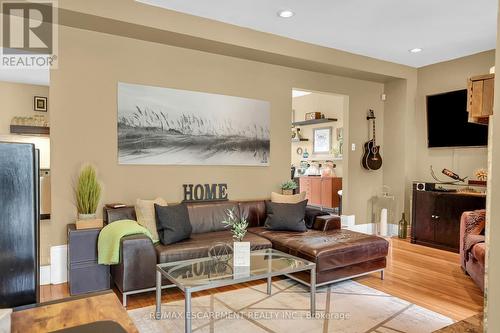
point(180, 127)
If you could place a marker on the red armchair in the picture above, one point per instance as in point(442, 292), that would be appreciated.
point(472, 245)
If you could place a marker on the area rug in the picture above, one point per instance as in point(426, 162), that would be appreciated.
point(342, 307)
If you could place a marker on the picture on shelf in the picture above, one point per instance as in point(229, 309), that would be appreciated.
point(180, 127)
point(322, 140)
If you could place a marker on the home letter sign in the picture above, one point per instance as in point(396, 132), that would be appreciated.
point(205, 192)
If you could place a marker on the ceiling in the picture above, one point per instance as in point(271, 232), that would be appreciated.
point(382, 29)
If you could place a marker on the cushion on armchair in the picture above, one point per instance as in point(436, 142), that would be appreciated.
point(474, 230)
point(475, 222)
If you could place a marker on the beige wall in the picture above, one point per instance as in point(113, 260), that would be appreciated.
point(92, 63)
point(394, 152)
point(438, 78)
point(332, 106)
point(17, 100)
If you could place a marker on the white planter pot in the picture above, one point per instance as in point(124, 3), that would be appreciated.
point(86, 216)
point(241, 254)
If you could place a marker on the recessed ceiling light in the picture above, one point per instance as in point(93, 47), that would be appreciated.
point(415, 50)
point(285, 13)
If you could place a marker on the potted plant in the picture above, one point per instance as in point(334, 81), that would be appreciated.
point(241, 250)
point(88, 193)
point(288, 187)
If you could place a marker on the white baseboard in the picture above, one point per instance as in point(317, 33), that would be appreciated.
point(371, 229)
point(58, 264)
point(367, 228)
point(347, 220)
point(44, 275)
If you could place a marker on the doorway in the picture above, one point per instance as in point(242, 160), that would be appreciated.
point(318, 152)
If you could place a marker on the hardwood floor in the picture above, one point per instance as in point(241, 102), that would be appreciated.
point(53, 292)
point(427, 277)
point(430, 278)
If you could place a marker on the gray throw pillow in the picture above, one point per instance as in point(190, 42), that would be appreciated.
point(172, 223)
point(286, 217)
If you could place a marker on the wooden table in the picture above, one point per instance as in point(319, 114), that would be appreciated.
point(71, 312)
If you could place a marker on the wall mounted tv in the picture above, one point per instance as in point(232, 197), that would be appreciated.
point(447, 122)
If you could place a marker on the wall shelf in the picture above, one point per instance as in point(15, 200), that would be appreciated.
point(22, 129)
point(477, 183)
point(314, 121)
point(322, 158)
point(299, 140)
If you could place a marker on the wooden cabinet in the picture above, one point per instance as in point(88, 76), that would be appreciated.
point(436, 217)
point(321, 191)
point(480, 98)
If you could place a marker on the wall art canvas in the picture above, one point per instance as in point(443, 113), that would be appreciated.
point(180, 127)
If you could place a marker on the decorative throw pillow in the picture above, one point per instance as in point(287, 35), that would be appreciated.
point(286, 217)
point(172, 223)
point(281, 198)
point(145, 211)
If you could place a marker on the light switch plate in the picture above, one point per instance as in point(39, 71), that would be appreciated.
point(353, 147)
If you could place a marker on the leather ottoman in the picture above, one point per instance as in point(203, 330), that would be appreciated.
point(338, 254)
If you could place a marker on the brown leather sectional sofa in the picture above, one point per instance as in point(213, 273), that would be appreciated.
point(338, 253)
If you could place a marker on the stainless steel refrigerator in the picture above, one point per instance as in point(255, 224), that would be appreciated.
point(19, 224)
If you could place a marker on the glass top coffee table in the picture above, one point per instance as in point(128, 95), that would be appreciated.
point(207, 273)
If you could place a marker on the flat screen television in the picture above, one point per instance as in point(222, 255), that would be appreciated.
point(448, 125)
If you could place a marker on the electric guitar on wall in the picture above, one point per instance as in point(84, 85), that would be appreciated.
point(371, 152)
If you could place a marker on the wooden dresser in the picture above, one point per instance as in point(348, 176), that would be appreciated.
point(436, 217)
point(321, 191)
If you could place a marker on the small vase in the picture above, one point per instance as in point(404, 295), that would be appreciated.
point(86, 216)
point(287, 192)
point(241, 254)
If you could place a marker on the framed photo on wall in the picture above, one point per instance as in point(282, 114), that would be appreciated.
point(40, 103)
point(322, 140)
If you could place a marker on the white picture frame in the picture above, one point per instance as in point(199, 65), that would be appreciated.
point(322, 140)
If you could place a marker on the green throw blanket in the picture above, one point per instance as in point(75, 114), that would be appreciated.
point(108, 245)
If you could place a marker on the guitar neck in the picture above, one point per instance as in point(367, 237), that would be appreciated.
point(374, 141)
